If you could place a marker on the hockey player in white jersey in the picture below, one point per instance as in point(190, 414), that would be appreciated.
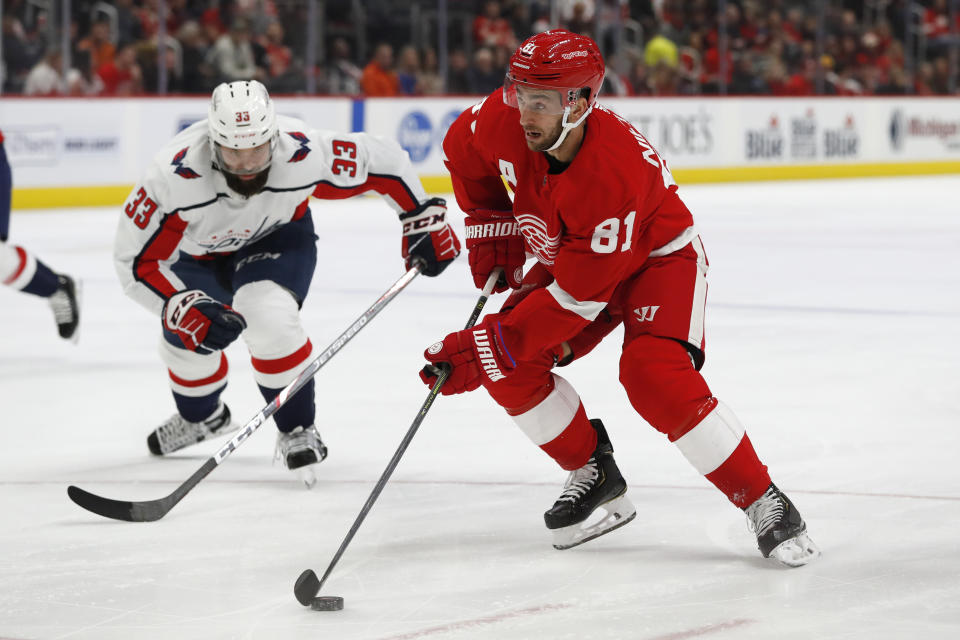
point(23, 271)
point(218, 240)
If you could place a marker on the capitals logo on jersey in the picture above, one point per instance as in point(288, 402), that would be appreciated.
point(302, 152)
point(535, 232)
point(180, 170)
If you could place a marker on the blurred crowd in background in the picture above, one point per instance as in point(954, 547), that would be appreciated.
point(436, 47)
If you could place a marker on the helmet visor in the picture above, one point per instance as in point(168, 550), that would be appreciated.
point(537, 98)
point(244, 162)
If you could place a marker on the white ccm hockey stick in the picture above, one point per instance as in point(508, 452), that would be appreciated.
point(150, 510)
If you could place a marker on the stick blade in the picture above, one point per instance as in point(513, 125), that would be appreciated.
point(306, 587)
point(117, 509)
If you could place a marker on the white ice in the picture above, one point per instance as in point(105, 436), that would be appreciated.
point(833, 315)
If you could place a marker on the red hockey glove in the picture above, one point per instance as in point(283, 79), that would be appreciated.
point(201, 323)
point(475, 355)
point(537, 277)
point(494, 240)
point(427, 238)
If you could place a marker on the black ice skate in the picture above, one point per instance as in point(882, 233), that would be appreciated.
point(65, 303)
point(177, 432)
point(595, 488)
point(781, 532)
point(300, 449)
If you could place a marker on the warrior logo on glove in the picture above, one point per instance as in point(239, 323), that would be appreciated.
point(475, 356)
point(486, 356)
point(494, 241)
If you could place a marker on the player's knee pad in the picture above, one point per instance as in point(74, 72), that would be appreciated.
point(17, 266)
point(194, 374)
point(547, 413)
point(663, 385)
point(554, 419)
point(713, 438)
point(279, 346)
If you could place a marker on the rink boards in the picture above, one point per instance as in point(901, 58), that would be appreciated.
point(90, 151)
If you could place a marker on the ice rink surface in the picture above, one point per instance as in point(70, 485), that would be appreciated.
point(832, 331)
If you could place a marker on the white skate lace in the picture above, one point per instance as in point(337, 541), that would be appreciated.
point(178, 432)
point(579, 482)
point(765, 512)
point(62, 307)
point(298, 440)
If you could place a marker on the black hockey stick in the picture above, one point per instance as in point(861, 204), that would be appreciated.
point(150, 510)
point(308, 585)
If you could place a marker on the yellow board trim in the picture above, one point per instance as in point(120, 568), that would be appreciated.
point(105, 196)
point(814, 171)
point(58, 197)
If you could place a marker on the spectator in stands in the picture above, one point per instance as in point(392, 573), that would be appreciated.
point(660, 50)
point(212, 25)
point(98, 44)
point(81, 80)
point(491, 29)
point(196, 71)
point(746, 79)
point(541, 20)
point(936, 26)
point(614, 84)
point(429, 80)
point(18, 59)
point(379, 78)
point(577, 16)
point(638, 79)
point(128, 23)
point(521, 23)
point(408, 71)
point(122, 76)
point(149, 61)
point(896, 83)
point(283, 74)
point(44, 78)
point(341, 75)
point(231, 56)
point(714, 66)
point(458, 73)
point(483, 77)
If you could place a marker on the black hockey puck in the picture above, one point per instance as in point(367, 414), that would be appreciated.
point(327, 603)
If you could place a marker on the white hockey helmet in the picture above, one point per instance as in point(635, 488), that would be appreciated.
point(241, 116)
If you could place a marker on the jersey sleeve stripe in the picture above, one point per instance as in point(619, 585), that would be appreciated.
point(160, 247)
point(385, 185)
point(587, 310)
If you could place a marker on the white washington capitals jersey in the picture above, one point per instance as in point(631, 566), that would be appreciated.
point(183, 204)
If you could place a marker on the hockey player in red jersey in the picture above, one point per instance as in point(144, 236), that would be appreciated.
point(217, 239)
point(597, 206)
point(23, 271)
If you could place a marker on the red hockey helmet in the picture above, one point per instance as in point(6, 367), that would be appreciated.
point(558, 60)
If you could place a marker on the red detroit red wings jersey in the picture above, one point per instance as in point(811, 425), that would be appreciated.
point(592, 226)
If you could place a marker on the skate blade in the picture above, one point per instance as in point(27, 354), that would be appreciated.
point(306, 475)
point(796, 552)
point(614, 514)
point(78, 295)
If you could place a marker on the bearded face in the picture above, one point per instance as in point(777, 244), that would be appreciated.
point(247, 186)
point(246, 170)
